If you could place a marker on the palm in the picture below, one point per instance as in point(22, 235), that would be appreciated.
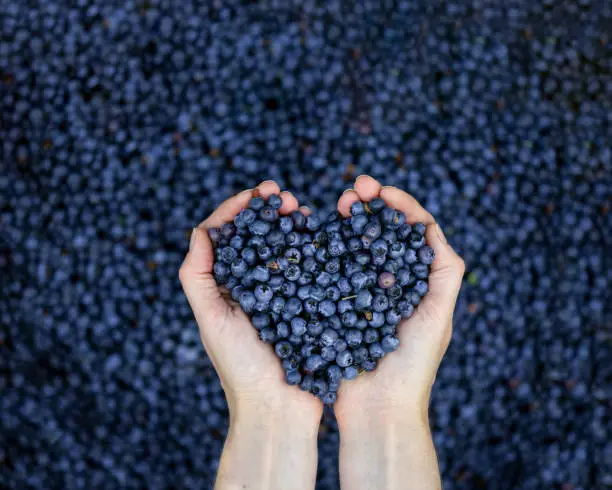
point(255, 369)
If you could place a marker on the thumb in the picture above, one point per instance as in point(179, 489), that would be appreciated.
point(446, 274)
point(198, 282)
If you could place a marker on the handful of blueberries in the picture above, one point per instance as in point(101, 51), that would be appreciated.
point(328, 296)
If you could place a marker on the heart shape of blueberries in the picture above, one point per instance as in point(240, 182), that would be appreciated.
point(328, 296)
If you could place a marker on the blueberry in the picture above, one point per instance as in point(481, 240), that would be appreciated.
point(275, 201)
point(359, 280)
point(306, 383)
point(405, 308)
point(416, 240)
point(314, 328)
point(260, 321)
point(299, 220)
point(259, 227)
point(419, 228)
point(426, 255)
point(328, 337)
point(332, 266)
point(360, 354)
point(214, 234)
point(257, 203)
point(319, 387)
point(421, 271)
point(393, 316)
point(314, 363)
point(329, 397)
point(293, 377)
point(323, 279)
point(389, 343)
point(410, 257)
point(305, 278)
point(376, 351)
point(275, 238)
point(413, 297)
point(344, 358)
point(286, 224)
point(376, 205)
point(228, 254)
point(263, 293)
point(354, 244)
point(421, 287)
point(357, 208)
point(261, 273)
point(283, 349)
point(282, 330)
point(334, 374)
point(293, 239)
point(267, 335)
point(298, 326)
point(336, 248)
point(249, 255)
point(247, 301)
point(264, 252)
point(345, 305)
point(340, 345)
point(312, 223)
point(404, 231)
point(370, 335)
point(350, 372)
point(293, 272)
point(358, 224)
point(380, 303)
point(368, 365)
point(293, 306)
point(386, 280)
point(328, 353)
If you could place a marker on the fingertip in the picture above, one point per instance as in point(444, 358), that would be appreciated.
point(290, 203)
point(305, 210)
point(228, 209)
point(445, 256)
point(267, 188)
point(346, 200)
point(367, 187)
point(402, 201)
point(199, 259)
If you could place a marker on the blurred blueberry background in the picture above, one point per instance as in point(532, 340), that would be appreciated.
point(124, 123)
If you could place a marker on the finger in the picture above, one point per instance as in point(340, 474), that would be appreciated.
point(290, 203)
point(228, 210)
point(367, 188)
point(446, 274)
point(305, 210)
point(345, 202)
point(267, 188)
point(402, 201)
point(198, 282)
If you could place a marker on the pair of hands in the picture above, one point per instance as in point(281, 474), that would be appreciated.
point(250, 373)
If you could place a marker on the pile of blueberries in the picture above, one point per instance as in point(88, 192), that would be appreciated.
point(328, 295)
point(123, 124)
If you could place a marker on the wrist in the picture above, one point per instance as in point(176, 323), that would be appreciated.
point(284, 415)
point(381, 420)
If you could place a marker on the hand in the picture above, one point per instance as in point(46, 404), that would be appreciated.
point(250, 372)
point(385, 441)
point(402, 380)
point(272, 437)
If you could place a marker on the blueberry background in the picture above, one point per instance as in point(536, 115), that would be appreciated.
point(124, 123)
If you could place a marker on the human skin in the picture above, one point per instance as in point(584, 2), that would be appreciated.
point(385, 441)
point(382, 415)
point(272, 437)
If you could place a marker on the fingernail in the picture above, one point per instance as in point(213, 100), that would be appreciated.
point(192, 240)
point(440, 234)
